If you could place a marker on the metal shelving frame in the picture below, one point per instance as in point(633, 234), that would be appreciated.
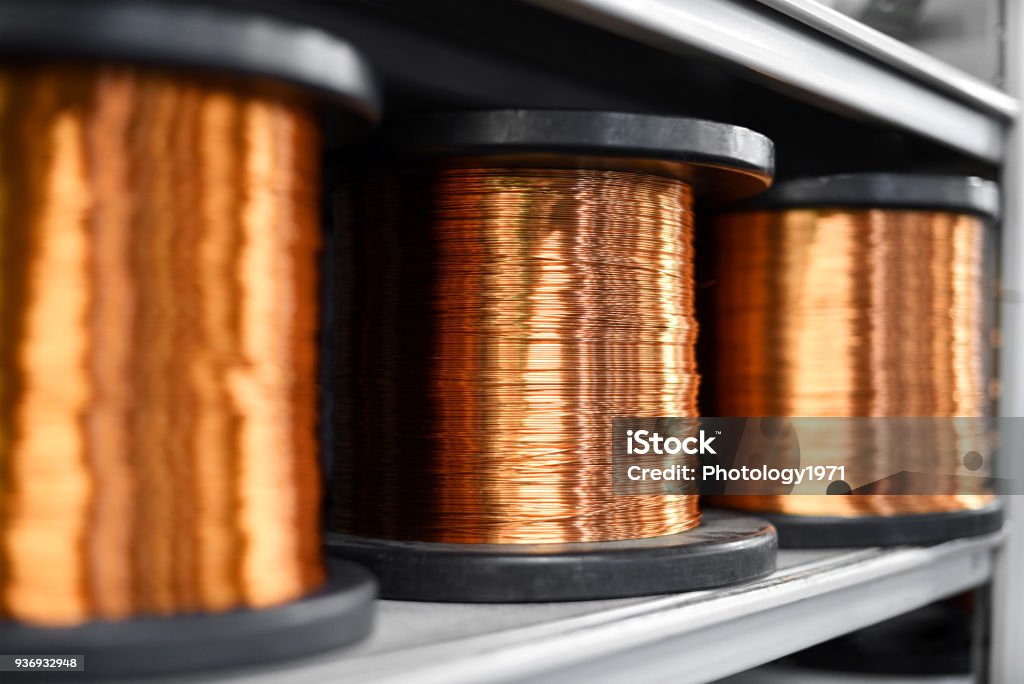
point(693, 637)
point(1007, 654)
point(823, 57)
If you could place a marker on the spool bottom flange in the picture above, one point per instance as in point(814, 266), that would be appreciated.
point(807, 531)
point(339, 614)
point(727, 548)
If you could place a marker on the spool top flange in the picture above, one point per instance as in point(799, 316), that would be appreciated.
point(212, 39)
point(721, 161)
point(959, 194)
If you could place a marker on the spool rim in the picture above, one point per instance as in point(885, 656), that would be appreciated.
point(224, 41)
point(960, 194)
point(818, 531)
point(727, 548)
point(339, 613)
point(721, 161)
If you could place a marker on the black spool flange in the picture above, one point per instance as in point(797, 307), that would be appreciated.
point(245, 48)
point(212, 41)
point(720, 161)
point(727, 548)
point(829, 531)
point(337, 615)
point(955, 194)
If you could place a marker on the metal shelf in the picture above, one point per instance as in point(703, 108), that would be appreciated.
point(898, 55)
point(781, 67)
point(818, 55)
point(815, 596)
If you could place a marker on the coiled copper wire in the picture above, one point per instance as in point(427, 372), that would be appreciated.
point(499, 319)
point(157, 409)
point(836, 312)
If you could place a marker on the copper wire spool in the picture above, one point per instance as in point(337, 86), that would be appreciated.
point(158, 300)
point(158, 413)
point(483, 378)
point(500, 310)
point(855, 311)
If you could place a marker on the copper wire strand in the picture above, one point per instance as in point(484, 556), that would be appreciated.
point(157, 408)
point(860, 313)
point(501, 318)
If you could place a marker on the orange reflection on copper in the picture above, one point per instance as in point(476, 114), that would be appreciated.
point(500, 319)
point(157, 307)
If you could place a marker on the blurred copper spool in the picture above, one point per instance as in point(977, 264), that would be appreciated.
point(859, 296)
point(158, 302)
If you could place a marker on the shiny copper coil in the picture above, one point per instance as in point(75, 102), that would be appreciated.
point(157, 411)
point(873, 313)
point(495, 322)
